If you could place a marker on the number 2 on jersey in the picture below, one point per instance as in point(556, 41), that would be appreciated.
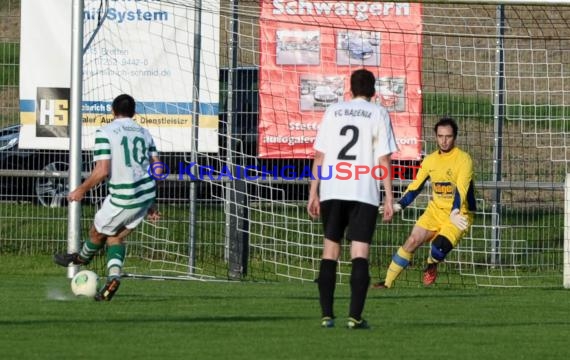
point(343, 154)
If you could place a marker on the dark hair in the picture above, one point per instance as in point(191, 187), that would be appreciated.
point(362, 83)
point(124, 105)
point(447, 121)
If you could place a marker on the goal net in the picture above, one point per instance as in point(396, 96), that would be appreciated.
point(263, 72)
point(166, 54)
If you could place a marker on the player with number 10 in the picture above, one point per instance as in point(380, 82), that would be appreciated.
point(124, 151)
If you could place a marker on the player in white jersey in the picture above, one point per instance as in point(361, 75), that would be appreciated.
point(124, 151)
point(354, 134)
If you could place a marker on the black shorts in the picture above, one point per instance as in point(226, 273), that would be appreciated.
point(357, 218)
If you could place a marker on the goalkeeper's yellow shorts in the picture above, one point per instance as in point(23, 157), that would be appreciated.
point(437, 220)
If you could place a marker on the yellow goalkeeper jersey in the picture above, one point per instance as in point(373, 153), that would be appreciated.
point(451, 177)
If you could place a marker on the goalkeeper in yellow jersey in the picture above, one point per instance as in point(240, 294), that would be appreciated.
point(449, 212)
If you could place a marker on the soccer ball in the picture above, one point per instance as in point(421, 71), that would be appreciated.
point(84, 283)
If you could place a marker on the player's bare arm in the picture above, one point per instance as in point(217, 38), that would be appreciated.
point(158, 170)
point(99, 174)
point(153, 215)
point(385, 162)
point(313, 206)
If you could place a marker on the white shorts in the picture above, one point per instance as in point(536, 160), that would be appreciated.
point(110, 218)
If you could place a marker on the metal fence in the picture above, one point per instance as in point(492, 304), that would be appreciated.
point(500, 70)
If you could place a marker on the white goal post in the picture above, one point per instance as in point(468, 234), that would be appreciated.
point(567, 233)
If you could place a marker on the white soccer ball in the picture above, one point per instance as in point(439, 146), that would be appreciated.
point(84, 283)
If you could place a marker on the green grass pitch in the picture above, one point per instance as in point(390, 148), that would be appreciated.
point(148, 319)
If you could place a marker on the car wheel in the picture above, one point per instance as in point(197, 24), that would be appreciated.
point(51, 191)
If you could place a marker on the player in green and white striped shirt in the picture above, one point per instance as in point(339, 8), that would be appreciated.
point(124, 151)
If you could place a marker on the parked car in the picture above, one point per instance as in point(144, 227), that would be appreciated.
point(16, 185)
point(358, 48)
point(388, 98)
point(19, 183)
point(324, 94)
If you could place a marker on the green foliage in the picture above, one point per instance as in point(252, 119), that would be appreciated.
point(448, 104)
point(8, 4)
point(9, 64)
point(479, 107)
point(468, 107)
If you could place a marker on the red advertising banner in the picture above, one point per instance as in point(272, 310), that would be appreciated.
point(308, 51)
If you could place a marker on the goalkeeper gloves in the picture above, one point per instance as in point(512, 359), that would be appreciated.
point(458, 220)
point(395, 206)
